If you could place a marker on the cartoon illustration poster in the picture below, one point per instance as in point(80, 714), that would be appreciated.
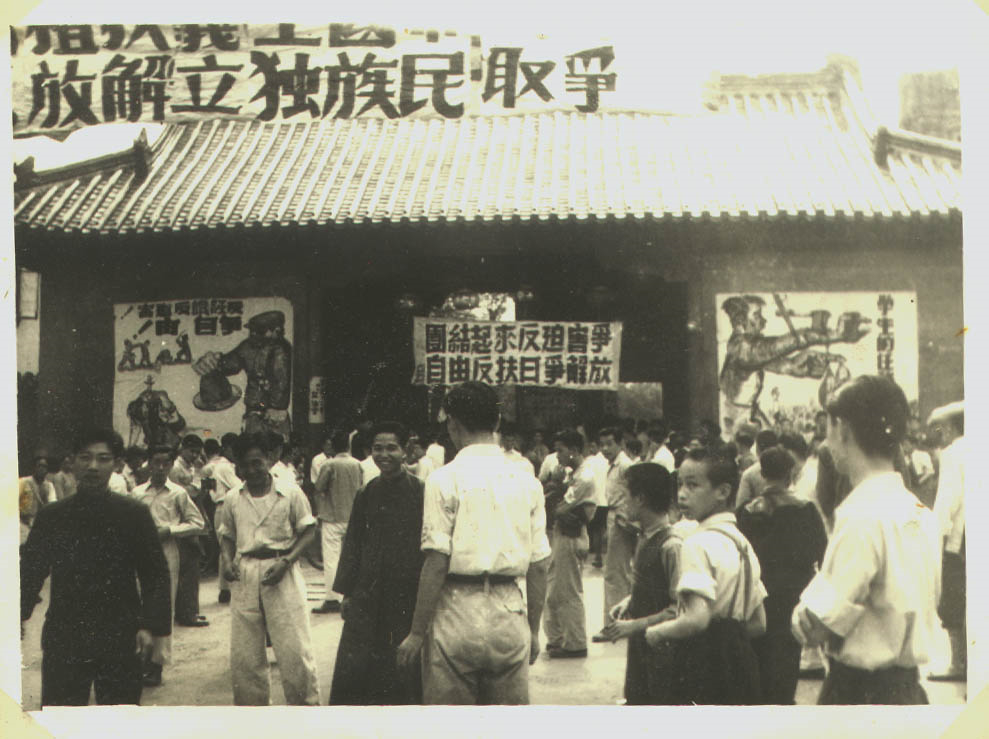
point(781, 355)
point(206, 366)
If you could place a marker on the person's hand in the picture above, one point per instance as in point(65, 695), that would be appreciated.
point(534, 646)
point(207, 363)
point(164, 532)
point(408, 650)
point(654, 637)
point(619, 610)
point(230, 570)
point(807, 628)
point(142, 647)
point(852, 326)
point(619, 630)
point(344, 608)
point(274, 574)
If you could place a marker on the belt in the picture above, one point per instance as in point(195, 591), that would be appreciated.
point(265, 554)
point(453, 577)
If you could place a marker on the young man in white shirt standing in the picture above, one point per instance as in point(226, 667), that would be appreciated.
point(483, 532)
point(873, 605)
point(658, 451)
point(949, 510)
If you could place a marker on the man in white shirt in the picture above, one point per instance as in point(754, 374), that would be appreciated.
point(35, 491)
point(622, 533)
point(264, 527)
point(658, 451)
point(483, 531)
point(566, 619)
point(221, 469)
point(949, 510)
point(752, 482)
point(187, 472)
point(176, 517)
point(320, 459)
point(510, 442)
point(873, 603)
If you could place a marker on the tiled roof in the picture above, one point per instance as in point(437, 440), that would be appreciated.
point(776, 146)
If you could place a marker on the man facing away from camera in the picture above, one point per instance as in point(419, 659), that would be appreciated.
point(483, 533)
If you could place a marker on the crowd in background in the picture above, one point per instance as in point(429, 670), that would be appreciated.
point(633, 497)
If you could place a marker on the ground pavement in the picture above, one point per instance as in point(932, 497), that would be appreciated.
point(200, 675)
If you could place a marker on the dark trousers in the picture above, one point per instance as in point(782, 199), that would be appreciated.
point(596, 531)
point(778, 651)
point(187, 595)
point(951, 608)
point(892, 686)
point(66, 681)
point(212, 546)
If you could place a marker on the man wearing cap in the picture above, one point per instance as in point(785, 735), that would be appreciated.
point(484, 532)
point(266, 357)
point(949, 509)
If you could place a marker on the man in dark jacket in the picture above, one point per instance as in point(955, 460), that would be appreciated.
point(96, 546)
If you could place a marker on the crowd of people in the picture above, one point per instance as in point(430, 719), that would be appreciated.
point(733, 562)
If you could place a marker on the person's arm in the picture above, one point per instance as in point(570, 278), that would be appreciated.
point(226, 534)
point(349, 565)
point(434, 571)
point(693, 618)
point(324, 479)
point(756, 625)
point(152, 573)
point(35, 563)
point(191, 521)
point(834, 600)
point(535, 593)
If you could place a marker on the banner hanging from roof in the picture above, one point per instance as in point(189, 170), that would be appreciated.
point(70, 76)
point(568, 354)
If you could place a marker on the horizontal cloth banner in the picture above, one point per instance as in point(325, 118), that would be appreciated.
point(569, 354)
point(70, 76)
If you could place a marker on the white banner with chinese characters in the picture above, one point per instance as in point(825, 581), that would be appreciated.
point(205, 366)
point(70, 76)
point(781, 355)
point(570, 354)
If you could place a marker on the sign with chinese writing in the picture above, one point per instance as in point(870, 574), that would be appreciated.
point(317, 400)
point(205, 366)
point(781, 355)
point(574, 355)
point(70, 76)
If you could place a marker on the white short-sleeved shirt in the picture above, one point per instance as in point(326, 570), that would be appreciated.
point(369, 469)
point(880, 579)
point(171, 506)
point(316, 466)
point(599, 465)
point(949, 505)
point(486, 512)
point(253, 528)
point(222, 471)
point(711, 566)
point(665, 457)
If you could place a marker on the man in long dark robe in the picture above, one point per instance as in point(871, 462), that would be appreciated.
point(378, 575)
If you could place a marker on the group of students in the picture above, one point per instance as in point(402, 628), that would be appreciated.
point(717, 608)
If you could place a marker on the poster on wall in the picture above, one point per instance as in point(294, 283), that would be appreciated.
point(568, 354)
point(781, 355)
point(205, 366)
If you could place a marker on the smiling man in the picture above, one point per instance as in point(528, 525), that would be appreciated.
point(97, 546)
point(378, 574)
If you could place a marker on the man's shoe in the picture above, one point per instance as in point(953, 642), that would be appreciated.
point(561, 653)
point(200, 621)
point(599, 637)
point(597, 563)
point(152, 675)
point(224, 596)
point(328, 606)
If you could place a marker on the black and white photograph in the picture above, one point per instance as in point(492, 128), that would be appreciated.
point(398, 356)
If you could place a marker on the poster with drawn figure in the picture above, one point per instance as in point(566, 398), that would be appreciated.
point(205, 366)
point(781, 355)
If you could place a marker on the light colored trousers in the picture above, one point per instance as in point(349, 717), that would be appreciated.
point(476, 651)
point(161, 646)
point(283, 610)
point(617, 565)
point(566, 622)
point(331, 538)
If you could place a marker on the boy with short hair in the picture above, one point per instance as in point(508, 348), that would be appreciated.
point(719, 594)
point(655, 574)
